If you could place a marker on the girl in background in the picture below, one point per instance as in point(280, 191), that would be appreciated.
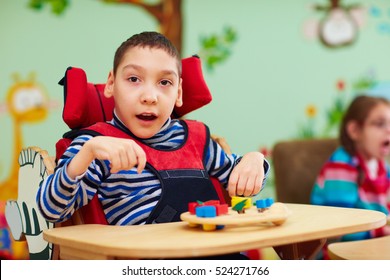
point(357, 174)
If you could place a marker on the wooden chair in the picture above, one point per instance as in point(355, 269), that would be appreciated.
point(370, 249)
point(296, 164)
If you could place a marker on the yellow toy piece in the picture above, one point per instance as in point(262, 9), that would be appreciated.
point(240, 203)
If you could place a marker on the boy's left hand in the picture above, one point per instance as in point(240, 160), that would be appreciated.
point(247, 177)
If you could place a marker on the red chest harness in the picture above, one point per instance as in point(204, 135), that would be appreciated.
point(181, 171)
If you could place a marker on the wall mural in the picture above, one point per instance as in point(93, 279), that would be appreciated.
point(339, 27)
point(333, 24)
point(381, 17)
point(344, 92)
point(166, 12)
point(26, 103)
point(339, 23)
point(215, 48)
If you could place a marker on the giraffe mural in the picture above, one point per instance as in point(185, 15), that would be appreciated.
point(26, 103)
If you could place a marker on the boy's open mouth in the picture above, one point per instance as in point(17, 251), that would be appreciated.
point(386, 143)
point(147, 117)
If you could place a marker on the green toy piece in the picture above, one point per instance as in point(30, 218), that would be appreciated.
point(240, 206)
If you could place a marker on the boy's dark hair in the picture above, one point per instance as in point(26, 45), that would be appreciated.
point(358, 111)
point(149, 39)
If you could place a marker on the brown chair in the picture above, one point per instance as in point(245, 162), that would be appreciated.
point(370, 249)
point(296, 164)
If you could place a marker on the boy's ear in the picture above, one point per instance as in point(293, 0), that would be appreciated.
point(353, 130)
point(109, 89)
point(179, 99)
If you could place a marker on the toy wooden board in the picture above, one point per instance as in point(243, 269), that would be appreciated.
point(276, 214)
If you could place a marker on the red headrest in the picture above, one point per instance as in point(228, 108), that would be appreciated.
point(85, 103)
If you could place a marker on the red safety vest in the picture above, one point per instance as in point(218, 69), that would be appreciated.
point(181, 171)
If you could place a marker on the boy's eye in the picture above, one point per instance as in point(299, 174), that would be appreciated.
point(166, 82)
point(133, 79)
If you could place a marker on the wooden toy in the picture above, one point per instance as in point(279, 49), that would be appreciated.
point(207, 209)
point(240, 203)
point(264, 204)
point(207, 215)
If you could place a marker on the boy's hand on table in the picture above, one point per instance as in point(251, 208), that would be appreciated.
point(247, 176)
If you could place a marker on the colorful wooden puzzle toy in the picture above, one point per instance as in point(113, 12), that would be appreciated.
point(212, 215)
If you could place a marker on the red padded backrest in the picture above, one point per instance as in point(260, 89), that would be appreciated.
point(196, 93)
point(85, 103)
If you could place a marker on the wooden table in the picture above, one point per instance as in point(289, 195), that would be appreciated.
point(370, 249)
point(300, 237)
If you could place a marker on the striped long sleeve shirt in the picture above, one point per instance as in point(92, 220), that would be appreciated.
point(340, 184)
point(127, 197)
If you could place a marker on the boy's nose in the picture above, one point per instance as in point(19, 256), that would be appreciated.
point(149, 96)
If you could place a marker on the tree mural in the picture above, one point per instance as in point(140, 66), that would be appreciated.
point(215, 48)
point(168, 15)
point(166, 12)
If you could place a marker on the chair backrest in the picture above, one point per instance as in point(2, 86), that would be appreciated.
point(296, 164)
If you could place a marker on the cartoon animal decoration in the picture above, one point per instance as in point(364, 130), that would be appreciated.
point(22, 215)
point(340, 25)
point(26, 102)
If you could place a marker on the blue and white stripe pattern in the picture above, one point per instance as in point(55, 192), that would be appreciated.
point(127, 197)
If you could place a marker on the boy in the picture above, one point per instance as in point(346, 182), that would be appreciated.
point(144, 166)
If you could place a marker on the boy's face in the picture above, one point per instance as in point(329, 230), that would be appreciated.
point(146, 88)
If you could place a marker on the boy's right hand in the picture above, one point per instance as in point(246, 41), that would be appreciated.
point(123, 154)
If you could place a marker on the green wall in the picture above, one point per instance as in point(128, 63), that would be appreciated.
point(260, 93)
